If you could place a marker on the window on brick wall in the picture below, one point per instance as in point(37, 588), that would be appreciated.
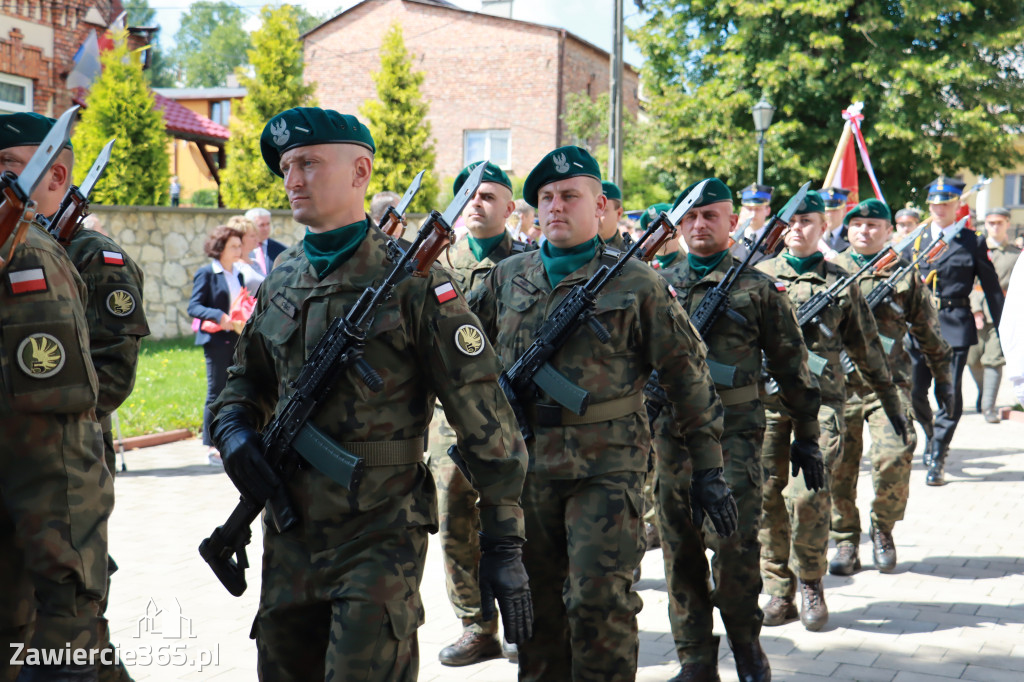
point(1013, 191)
point(15, 94)
point(493, 145)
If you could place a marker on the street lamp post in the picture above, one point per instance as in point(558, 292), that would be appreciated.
point(762, 113)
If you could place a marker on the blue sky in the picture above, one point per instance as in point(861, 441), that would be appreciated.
point(589, 19)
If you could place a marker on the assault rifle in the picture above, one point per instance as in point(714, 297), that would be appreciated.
point(16, 206)
point(76, 201)
point(291, 437)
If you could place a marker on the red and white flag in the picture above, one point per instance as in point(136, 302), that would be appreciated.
point(27, 281)
point(445, 292)
point(113, 258)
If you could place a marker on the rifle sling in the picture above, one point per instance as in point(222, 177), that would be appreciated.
point(379, 453)
point(543, 414)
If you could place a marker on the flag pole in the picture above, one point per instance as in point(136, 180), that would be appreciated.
point(844, 140)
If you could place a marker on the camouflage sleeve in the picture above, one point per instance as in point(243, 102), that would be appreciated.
point(675, 350)
point(860, 338)
point(786, 360)
point(482, 300)
point(923, 325)
point(463, 369)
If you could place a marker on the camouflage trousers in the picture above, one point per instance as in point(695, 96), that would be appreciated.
point(459, 521)
point(891, 462)
point(584, 539)
point(794, 519)
point(734, 564)
point(55, 498)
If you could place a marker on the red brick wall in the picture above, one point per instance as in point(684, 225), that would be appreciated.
point(587, 70)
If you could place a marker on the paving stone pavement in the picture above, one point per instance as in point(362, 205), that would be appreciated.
point(954, 608)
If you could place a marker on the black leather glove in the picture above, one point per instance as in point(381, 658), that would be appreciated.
point(242, 452)
point(503, 577)
point(894, 411)
point(944, 396)
point(806, 455)
point(709, 494)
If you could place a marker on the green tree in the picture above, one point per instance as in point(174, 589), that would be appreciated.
point(942, 83)
point(398, 121)
point(120, 105)
point(209, 44)
point(139, 13)
point(276, 58)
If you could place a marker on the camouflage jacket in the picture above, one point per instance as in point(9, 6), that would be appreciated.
point(853, 328)
point(468, 272)
point(45, 359)
point(1003, 257)
point(735, 350)
point(617, 241)
point(114, 311)
point(424, 343)
point(648, 331)
point(918, 318)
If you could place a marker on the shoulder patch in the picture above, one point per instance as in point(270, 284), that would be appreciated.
point(445, 292)
point(672, 291)
point(113, 258)
point(41, 355)
point(780, 286)
point(470, 340)
point(27, 281)
point(120, 303)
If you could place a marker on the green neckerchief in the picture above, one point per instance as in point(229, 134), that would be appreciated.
point(668, 259)
point(702, 265)
point(558, 263)
point(802, 265)
point(859, 259)
point(482, 248)
point(327, 250)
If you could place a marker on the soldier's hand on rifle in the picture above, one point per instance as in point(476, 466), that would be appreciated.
point(709, 494)
point(806, 455)
point(944, 396)
point(242, 452)
point(503, 577)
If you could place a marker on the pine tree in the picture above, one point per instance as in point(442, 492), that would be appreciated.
point(121, 105)
point(276, 57)
point(397, 120)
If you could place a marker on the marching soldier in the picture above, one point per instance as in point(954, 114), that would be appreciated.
point(802, 533)
point(340, 595)
point(985, 359)
point(57, 493)
point(760, 320)
point(909, 309)
point(486, 244)
point(609, 230)
point(582, 496)
point(834, 199)
point(951, 279)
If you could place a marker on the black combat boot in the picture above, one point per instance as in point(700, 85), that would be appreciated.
point(751, 661)
point(470, 648)
point(813, 611)
point(846, 561)
point(993, 375)
point(779, 611)
point(883, 549)
point(936, 469)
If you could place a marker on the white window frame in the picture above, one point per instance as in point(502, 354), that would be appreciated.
point(487, 145)
point(1013, 190)
point(14, 107)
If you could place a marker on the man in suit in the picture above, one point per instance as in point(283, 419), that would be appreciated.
point(835, 210)
point(951, 279)
point(268, 249)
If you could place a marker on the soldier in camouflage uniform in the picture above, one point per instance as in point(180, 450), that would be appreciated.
point(985, 358)
point(113, 302)
point(582, 496)
point(56, 491)
point(340, 595)
point(486, 244)
point(609, 228)
point(795, 520)
point(891, 456)
point(760, 320)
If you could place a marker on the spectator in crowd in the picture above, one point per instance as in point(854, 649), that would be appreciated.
point(523, 215)
point(175, 191)
point(249, 265)
point(92, 222)
point(214, 287)
point(379, 204)
point(268, 249)
point(907, 220)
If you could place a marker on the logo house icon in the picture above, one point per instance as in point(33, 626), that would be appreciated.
point(168, 623)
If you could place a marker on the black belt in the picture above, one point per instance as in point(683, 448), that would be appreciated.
point(955, 302)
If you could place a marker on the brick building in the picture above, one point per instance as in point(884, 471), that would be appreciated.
point(496, 86)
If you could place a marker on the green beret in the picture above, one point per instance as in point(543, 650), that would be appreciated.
point(612, 191)
point(562, 163)
point(869, 208)
point(24, 129)
point(491, 174)
point(303, 126)
point(714, 192)
point(812, 203)
point(652, 213)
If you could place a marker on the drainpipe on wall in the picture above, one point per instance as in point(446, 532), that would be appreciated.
point(561, 80)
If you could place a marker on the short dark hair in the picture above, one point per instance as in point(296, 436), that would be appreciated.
point(218, 239)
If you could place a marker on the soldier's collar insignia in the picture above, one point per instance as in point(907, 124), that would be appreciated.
point(120, 303)
point(470, 340)
point(40, 355)
point(27, 281)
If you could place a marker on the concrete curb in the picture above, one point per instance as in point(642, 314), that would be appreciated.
point(152, 439)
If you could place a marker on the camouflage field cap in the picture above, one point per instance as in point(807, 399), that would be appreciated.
point(714, 192)
point(26, 128)
point(611, 190)
point(562, 163)
point(869, 208)
point(652, 213)
point(491, 174)
point(303, 126)
point(812, 203)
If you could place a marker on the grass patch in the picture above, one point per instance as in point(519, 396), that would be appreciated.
point(170, 389)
